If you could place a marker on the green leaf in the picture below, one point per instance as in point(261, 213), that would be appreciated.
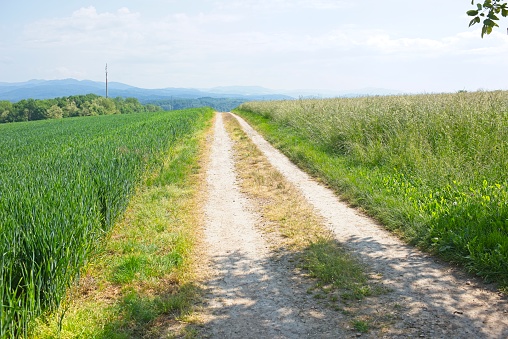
point(504, 12)
point(489, 23)
point(472, 13)
point(474, 21)
point(479, 7)
point(492, 16)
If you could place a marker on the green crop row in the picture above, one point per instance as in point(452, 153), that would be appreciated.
point(432, 167)
point(63, 184)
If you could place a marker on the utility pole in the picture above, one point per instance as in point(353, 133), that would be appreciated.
point(106, 80)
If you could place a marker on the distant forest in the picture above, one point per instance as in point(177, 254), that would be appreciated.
point(218, 104)
point(92, 104)
point(72, 106)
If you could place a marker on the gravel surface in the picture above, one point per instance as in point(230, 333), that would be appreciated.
point(253, 294)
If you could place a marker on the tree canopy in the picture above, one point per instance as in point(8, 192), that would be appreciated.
point(487, 13)
point(72, 106)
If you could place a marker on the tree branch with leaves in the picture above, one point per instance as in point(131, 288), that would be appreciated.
point(488, 13)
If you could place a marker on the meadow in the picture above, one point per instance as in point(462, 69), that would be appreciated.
point(432, 167)
point(63, 185)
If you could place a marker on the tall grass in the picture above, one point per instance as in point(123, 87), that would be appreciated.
point(63, 184)
point(434, 167)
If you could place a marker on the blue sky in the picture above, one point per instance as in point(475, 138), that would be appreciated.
point(411, 46)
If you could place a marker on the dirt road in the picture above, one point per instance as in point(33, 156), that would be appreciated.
point(252, 294)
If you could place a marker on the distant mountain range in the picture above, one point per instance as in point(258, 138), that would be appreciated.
point(47, 89)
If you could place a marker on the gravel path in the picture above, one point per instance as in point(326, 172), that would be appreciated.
point(252, 295)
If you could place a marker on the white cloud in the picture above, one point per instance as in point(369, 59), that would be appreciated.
point(175, 47)
point(183, 37)
point(85, 25)
point(379, 42)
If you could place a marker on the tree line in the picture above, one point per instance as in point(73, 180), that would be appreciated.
point(218, 104)
point(72, 106)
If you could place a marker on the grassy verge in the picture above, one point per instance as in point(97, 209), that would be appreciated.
point(293, 227)
point(431, 168)
point(141, 284)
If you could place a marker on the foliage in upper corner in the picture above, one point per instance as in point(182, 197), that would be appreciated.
point(489, 11)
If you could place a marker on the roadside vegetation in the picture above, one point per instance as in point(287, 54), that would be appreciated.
point(432, 168)
point(64, 186)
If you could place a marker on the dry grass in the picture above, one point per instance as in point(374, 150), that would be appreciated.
point(290, 221)
point(286, 212)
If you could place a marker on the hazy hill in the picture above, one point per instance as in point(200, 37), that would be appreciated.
point(46, 89)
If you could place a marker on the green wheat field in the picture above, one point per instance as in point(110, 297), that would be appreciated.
point(63, 185)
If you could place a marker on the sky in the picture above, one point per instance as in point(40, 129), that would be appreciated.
point(409, 46)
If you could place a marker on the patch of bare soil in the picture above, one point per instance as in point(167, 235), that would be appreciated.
point(253, 292)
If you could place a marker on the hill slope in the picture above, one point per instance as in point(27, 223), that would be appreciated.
point(47, 89)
